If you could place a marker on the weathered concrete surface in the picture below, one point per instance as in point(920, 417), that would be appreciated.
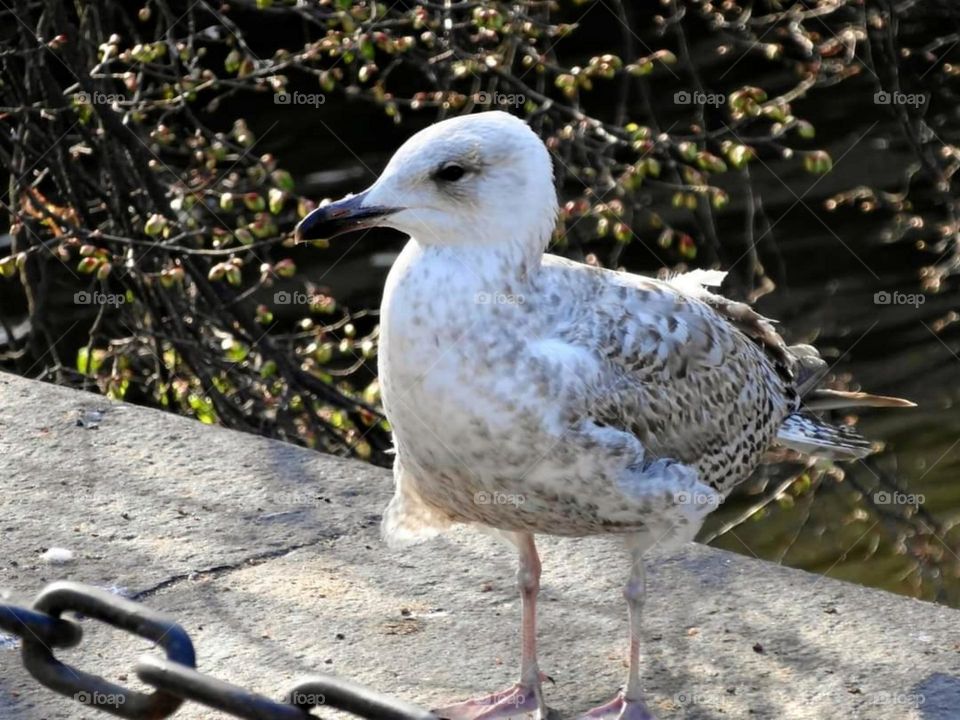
point(269, 556)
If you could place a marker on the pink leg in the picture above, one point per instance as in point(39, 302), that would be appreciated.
point(629, 704)
point(526, 696)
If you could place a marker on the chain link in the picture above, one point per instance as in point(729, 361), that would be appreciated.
point(174, 678)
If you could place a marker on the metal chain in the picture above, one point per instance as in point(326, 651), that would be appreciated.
point(175, 679)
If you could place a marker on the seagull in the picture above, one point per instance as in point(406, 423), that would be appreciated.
point(529, 394)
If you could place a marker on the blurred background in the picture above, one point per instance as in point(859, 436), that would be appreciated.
point(156, 158)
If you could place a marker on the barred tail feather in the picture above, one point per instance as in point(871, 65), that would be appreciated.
point(813, 436)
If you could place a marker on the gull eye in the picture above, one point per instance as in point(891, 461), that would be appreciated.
point(450, 172)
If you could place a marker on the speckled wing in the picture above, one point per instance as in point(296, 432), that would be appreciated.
point(695, 377)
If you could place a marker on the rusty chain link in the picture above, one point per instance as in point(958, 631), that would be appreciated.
point(174, 678)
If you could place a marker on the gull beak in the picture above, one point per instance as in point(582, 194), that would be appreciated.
point(340, 217)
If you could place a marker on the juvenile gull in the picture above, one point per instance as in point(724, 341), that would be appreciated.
point(531, 394)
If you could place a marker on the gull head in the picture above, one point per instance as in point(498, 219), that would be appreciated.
point(474, 180)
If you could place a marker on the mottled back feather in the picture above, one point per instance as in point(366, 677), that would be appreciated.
point(698, 378)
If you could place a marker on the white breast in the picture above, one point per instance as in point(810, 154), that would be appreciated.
point(432, 341)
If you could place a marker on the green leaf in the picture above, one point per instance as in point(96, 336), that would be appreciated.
point(202, 408)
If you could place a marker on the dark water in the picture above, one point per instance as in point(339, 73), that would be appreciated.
point(829, 296)
point(833, 271)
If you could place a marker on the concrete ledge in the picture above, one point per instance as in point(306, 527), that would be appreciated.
point(269, 556)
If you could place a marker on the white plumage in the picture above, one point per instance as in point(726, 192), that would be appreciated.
point(531, 394)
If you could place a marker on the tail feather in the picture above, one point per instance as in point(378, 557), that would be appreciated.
point(810, 370)
point(826, 399)
point(813, 436)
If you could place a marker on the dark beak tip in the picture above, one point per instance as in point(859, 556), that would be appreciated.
point(328, 221)
point(298, 236)
point(312, 227)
